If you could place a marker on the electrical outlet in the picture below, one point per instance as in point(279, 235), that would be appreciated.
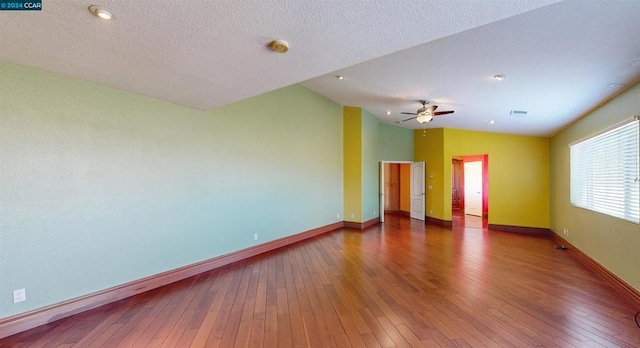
point(374, 213)
point(255, 236)
point(19, 295)
point(567, 232)
point(352, 215)
point(338, 216)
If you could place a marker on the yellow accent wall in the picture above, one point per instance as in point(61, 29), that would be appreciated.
point(352, 132)
point(370, 167)
point(518, 173)
point(429, 148)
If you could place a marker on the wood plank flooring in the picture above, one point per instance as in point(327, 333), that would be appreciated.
point(401, 284)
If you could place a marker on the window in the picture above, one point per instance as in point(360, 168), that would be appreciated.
point(604, 172)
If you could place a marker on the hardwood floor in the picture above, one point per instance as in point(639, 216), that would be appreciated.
point(401, 284)
point(460, 219)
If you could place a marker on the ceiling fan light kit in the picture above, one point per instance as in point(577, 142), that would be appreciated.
point(425, 114)
point(424, 118)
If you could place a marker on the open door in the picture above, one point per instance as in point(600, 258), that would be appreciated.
point(381, 176)
point(473, 188)
point(417, 190)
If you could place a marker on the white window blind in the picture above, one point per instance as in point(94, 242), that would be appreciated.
point(604, 172)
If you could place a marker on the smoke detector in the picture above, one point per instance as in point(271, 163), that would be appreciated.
point(101, 12)
point(279, 46)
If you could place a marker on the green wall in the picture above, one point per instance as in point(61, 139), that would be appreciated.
point(612, 242)
point(366, 143)
point(99, 187)
point(394, 143)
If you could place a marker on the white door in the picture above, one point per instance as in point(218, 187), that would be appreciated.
point(473, 188)
point(417, 190)
point(381, 183)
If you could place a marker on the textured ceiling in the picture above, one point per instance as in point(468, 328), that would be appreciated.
point(559, 57)
point(205, 54)
point(558, 60)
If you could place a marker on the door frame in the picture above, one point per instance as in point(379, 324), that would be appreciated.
point(381, 184)
point(485, 158)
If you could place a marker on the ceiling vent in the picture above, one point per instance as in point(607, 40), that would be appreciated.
point(520, 113)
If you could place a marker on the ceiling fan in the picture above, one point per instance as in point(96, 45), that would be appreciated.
point(425, 114)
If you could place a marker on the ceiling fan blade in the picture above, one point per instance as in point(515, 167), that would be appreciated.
point(408, 119)
point(442, 113)
point(409, 113)
point(431, 109)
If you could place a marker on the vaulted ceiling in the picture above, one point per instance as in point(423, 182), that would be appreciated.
point(559, 59)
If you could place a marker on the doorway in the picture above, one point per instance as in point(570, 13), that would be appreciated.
point(396, 188)
point(401, 189)
point(470, 191)
point(473, 188)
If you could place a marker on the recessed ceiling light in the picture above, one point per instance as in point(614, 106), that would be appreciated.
point(101, 12)
point(616, 85)
point(340, 77)
point(492, 122)
point(279, 46)
point(499, 77)
point(388, 112)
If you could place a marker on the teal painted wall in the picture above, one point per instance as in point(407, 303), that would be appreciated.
point(370, 157)
point(395, 143)
point(99, 187)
